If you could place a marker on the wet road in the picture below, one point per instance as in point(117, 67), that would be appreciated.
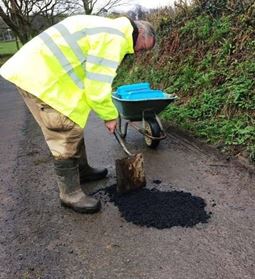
point(39, 239)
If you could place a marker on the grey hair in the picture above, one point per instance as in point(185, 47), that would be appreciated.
point(147, 27)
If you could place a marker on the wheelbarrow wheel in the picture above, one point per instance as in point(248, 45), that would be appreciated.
point(152, 128)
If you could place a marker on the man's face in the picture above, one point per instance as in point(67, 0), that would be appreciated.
point(144, 42)
point(149, 43)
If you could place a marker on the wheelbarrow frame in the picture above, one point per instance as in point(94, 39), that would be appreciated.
point(146, 111)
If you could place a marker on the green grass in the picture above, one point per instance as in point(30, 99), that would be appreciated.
point(7, 47)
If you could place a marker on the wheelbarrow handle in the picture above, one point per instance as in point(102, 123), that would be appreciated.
point(122, 144)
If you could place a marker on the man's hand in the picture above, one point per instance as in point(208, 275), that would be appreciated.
point(111, 125)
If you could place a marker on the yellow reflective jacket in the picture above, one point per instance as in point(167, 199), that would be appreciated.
point(71, 65)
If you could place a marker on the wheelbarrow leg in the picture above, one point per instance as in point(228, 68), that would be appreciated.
point(122, 133)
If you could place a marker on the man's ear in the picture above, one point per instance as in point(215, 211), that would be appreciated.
point(141, 31)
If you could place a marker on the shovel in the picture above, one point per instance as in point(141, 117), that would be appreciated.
point(130, 170)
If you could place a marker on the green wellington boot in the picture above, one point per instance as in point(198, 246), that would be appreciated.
point(71, 194)
point(87, 173)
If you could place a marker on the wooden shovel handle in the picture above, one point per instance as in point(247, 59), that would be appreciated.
point(122, 144)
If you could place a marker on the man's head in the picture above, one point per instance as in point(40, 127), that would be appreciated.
point(146, 36)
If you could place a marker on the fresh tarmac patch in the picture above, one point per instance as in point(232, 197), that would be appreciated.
point(155, 208)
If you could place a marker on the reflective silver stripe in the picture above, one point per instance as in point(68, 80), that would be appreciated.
point(72, 43)
point(93, 31)
point(99, 77)
point(71, 40)
point(78, 51)
point(61, 58)
point(102, 61)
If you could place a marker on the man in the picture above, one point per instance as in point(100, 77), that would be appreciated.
point(65, 72)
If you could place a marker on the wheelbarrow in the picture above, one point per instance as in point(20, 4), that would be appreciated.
point(139, 103)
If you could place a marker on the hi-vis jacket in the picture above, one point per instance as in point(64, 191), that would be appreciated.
point(71, 65)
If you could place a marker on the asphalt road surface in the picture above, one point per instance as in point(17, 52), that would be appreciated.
point(40, 239)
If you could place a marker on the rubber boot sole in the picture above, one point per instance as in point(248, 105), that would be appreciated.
point(83, 210)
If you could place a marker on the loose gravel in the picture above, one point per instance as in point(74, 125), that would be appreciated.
point(158, 209)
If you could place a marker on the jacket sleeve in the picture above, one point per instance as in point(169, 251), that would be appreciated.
point(100, 70)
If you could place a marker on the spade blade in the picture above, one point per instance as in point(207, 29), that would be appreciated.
point(130, 173)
